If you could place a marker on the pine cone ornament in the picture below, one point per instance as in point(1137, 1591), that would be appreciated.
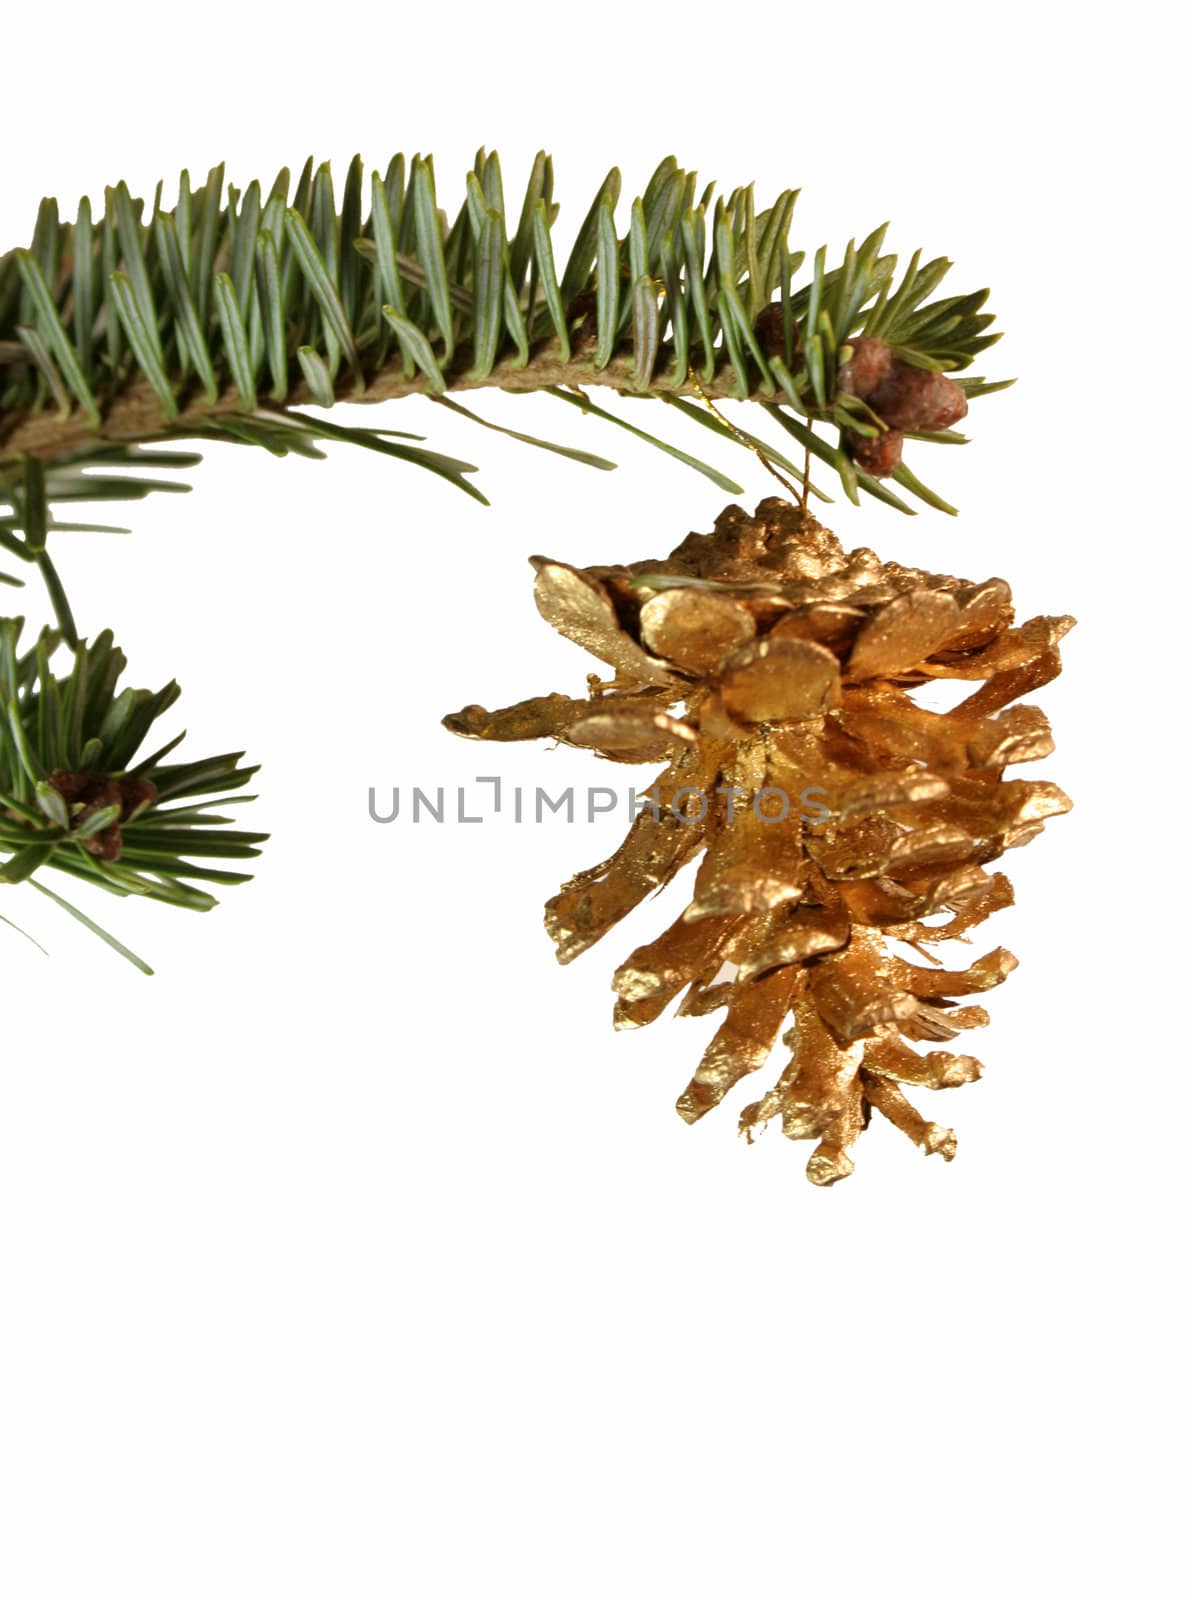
point(781, 680)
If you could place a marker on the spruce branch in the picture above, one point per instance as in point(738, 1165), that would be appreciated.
point(236, 312)
point(76, 794)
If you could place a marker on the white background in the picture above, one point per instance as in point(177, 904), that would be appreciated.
point(353, 1254)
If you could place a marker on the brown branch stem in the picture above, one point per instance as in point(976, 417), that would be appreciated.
point(133, 413)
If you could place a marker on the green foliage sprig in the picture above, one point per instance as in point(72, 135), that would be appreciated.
point(225, 315)
point(76, 794)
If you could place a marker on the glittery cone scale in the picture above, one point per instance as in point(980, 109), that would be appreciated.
point(785, 684)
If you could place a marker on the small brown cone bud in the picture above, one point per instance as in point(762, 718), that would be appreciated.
point(105, 845)
point(868, 367)
point(880, 456)
point(100, 793)
point(770, 331)
point(71, 786)
point(916, 400)
point(135, 795)
point(583, 305)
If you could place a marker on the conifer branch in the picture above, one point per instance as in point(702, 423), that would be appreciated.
point(78, 796)
point(234, 313)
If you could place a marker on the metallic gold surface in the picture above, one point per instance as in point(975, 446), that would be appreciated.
point(762, 661)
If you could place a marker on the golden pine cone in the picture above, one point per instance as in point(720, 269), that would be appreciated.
point(772, 671)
